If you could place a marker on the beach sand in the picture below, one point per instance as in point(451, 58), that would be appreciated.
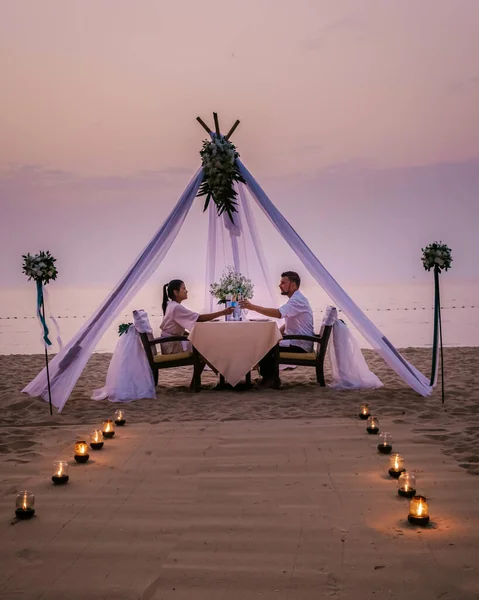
point(255, 494)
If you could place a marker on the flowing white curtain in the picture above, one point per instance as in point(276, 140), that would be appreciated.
point(67, 366)
point(237, 244)
point(378, 341)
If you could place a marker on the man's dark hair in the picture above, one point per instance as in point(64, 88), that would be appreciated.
point(292, 276)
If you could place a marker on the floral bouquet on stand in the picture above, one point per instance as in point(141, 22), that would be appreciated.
point(437, 256)
point(41, 268)
point(233, 286)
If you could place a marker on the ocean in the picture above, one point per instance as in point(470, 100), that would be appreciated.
point(403, 313)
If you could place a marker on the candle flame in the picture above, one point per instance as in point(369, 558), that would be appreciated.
point(420, 508)
point(24, 505)
point(107, 427)
point(396, 464)
point(406, 487)
point(60, 471)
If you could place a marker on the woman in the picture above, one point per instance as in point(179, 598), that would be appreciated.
point(177, 318)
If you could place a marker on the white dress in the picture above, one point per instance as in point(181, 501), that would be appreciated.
point(177, 319)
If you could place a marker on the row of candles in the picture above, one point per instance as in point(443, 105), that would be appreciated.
point(25, 500)
point(418, 508)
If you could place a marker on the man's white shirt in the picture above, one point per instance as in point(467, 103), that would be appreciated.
point(298, 319)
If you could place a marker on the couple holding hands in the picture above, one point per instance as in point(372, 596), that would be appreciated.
point(296, 312)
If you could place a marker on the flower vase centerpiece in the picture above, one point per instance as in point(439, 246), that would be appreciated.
point(232, 288)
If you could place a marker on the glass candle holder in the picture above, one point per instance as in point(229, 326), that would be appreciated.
point(364, 411)
point(372, 425)
point(24, 503)
point(418, 511)
point(407, 485)
point(385, 443)
point(120, 417)
point(60, 472)
point(396, 465)
point(81, 451)
point(96, 439)
point(108, 429)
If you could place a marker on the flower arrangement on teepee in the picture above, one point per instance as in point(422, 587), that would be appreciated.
point(437, 256)
point(220, 170)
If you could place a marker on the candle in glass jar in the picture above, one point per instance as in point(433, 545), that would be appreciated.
point(372, 425)
point(418, 511)
point(108, 429)
point(81, 452)
point(60, 472)
point(407, 485)
point(396, 465)
point(96, 439)
point(385, 443)
point(24, 503)
point(120, 417)
point(364, 410)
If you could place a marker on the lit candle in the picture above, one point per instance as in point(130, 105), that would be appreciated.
point(60, 472)
point(407, 485)
point(108, 429)
point(396, 465)
point(385, 443)
point(81, 451)
point(96, 439)
point(364, 410)
point(372, 425)
point(418, 511)
point(120, 417)
point(24, 503)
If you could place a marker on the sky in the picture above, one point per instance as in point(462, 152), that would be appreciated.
point(360, 119)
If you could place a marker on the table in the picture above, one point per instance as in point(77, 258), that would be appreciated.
point(234, 347)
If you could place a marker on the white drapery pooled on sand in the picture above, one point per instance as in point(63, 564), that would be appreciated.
point(349, 370)
point(129, 375)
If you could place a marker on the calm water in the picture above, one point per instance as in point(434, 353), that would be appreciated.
point(402, 312)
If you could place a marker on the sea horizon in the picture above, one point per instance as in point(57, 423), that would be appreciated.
point(402, 311)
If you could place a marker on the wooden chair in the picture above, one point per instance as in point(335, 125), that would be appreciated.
point(307, 359)
point(167, 361)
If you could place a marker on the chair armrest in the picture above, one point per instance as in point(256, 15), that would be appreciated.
point(164, 340)
point(308, 338)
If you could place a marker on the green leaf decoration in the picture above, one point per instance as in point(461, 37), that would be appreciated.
point(220, 172)
point(123, 328)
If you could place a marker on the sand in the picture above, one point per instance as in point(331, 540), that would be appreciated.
point(257, 494)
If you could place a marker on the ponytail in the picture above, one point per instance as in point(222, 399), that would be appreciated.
point(164, 304)
point(169, 290)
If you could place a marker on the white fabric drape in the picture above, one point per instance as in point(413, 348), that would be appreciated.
point(349, 369)
point(67, 366)
point(378, 341)
point(239, 245)
point(129, 375)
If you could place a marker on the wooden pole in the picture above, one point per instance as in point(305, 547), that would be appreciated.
point(203, 124)
point(217, 124)
point(230, 132)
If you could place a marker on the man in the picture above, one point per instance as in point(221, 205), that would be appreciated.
point(298, 320)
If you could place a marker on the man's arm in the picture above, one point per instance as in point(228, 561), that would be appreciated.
point(262, 310)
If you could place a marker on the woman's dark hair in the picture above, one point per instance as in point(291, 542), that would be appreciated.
point(169, 290)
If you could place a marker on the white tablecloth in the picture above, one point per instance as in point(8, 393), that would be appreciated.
point(234, 347)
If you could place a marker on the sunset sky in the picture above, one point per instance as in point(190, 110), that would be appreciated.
point(360, 118)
